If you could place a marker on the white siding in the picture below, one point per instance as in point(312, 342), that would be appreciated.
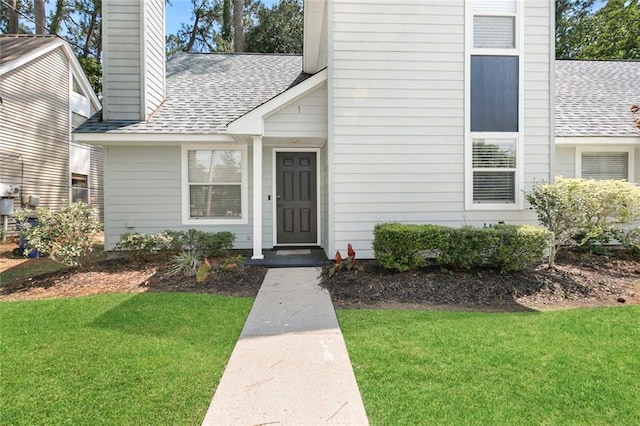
point(397, 88)
point(143, 194)
point(155, 54)
point(636, 166)
point(306, 117)
point(398, 96)
point(267, 192)
point(324, 203)
point(537, 92)
point(133, 66)
point(121, 47)
point(565, 161)
point(34, 129)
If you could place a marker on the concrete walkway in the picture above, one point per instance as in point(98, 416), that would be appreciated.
point(290, 365)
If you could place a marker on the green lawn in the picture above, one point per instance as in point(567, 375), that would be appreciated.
point(551, 368)
point(151, 359)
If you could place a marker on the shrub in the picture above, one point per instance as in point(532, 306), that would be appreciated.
point(141, 245)
point(66, 234)
point(207, 244)
point(507, 247)
point(585, 211)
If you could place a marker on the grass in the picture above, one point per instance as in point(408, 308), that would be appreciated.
point(551, 368)
point(115, 359)
point(29, 268)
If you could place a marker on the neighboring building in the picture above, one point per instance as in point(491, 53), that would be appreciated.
point(597, 135)
point(45, 94)
point(410, 111)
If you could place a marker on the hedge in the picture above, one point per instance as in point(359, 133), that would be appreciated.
point(507, 247)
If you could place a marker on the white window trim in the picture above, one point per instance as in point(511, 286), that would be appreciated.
point(497, 136)
point(81, 105)
point(470, 50)
point(244, 188)
point(630, 150)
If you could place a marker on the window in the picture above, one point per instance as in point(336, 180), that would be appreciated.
point(494, 171)
point(494, 93)
point(494, 24)
point(215, 187)
point(605, 165)
point(79, 188)
point(494, 158)
point(495, 32)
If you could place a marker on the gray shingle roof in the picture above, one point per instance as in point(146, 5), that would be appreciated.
point(594, 98)
point(204, 92)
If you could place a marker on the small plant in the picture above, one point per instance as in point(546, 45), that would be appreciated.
point(185, 263)
point(203, 271)
point(348, 264)
point(631, 240)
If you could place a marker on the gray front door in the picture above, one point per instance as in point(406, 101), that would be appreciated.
point(296, 198)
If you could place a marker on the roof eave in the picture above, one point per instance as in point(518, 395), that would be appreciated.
point(75, 65)
point(252, 123)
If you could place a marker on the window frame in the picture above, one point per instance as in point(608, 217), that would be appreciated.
point(518, 136)
point(629, 150)
point(497, 137)
point(186, 194)
point(84, 178)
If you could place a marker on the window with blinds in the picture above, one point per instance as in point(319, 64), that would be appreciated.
point(215, 184)
point(494, 24)
point(494, 171)
point(605, 165)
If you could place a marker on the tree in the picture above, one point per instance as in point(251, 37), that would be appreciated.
point(238, 25)
point(40, 17)
point(572, 24)
point(611, 32)
point(11, 14)
point(615, 32)
point(279, 29)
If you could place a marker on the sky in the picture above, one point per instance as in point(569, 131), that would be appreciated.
point(180, 11)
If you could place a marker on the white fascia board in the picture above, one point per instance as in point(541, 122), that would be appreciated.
point(598, 140)
point(107, 139)
point(78, 72)
point(252, 123)
point(313, 13)
point(75, 66)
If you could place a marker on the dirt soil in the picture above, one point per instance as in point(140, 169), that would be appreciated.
point(579, 280)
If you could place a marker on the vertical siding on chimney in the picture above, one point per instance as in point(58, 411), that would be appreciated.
point(122, 49)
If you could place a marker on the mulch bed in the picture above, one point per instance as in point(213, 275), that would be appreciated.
point(579, 280)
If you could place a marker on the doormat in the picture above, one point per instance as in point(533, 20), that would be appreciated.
point(293, 252)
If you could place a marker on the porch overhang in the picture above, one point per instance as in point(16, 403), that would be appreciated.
point(251, 125)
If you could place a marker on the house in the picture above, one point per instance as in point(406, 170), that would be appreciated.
point(417, 111)
point(44, 95)
point(597, 130)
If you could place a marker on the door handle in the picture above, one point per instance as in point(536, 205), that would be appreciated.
point(277, 197)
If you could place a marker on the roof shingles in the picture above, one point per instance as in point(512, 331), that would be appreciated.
point(204, 92)
point(594, 98)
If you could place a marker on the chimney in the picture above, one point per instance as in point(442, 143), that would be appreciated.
point(133, 44)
